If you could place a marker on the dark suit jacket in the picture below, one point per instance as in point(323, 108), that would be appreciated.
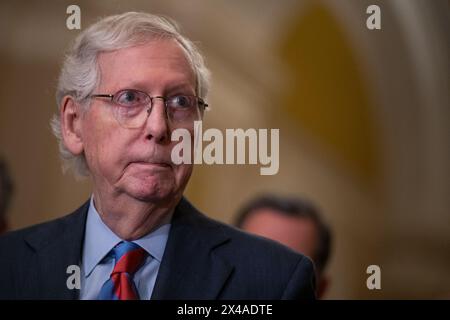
point(203, 259)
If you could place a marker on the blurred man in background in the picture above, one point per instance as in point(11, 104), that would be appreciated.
point(293, 222)
point(6, 190)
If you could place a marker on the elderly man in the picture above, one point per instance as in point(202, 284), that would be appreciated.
point(126, 84)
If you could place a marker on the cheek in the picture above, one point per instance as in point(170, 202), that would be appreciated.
point(103, 145)
point(182, 174)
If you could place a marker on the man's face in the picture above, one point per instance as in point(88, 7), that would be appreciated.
point(297, 233)
point(137, 162)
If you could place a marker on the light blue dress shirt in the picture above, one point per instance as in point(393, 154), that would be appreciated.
point(96, 265)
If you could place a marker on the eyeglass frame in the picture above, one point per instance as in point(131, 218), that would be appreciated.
point(200, 102)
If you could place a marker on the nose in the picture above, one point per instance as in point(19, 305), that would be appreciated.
point(157, 126)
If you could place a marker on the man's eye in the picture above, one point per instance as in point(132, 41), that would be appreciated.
point(180, 102)
point(129, 98)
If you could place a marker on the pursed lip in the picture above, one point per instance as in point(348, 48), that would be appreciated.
point(152, 163)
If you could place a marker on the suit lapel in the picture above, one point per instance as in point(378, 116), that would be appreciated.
point(56, 249)
point(191, 267)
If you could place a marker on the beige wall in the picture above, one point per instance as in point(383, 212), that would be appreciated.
point(363, 119)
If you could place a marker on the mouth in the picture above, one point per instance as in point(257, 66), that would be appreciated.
point(151, 164)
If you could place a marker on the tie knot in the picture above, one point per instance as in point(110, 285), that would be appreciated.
point(129, 257)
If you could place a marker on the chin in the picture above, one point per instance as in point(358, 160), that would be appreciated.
point(154, 192)
point(153, 186)
point(153, 197)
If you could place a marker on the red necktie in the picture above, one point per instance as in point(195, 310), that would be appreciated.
point(129, 258)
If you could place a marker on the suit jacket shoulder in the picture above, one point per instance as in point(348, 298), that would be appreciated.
point(218, 261)
point(34, 260)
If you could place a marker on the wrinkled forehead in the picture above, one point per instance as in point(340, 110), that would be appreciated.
point(156, 63)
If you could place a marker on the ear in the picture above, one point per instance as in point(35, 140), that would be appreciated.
point(71, 122)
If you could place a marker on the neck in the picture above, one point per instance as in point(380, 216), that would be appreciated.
point(130, 218)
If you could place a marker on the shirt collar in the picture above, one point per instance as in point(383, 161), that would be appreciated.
point(99, 240)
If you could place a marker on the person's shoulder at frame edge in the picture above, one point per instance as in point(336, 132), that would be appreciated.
point(11, 241)
point(15, 251)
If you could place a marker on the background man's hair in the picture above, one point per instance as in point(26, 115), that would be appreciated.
point(80, 73)
point(293, 207)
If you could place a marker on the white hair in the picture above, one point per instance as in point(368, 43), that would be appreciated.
point(80, 73)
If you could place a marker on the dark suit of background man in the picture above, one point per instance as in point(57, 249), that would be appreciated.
point(127, 82)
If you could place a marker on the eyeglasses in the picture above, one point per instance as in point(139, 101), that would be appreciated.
point(132, 107)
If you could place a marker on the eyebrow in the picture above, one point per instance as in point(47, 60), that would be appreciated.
point(180, 86)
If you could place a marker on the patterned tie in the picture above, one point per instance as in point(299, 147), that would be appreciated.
point(129, 258)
